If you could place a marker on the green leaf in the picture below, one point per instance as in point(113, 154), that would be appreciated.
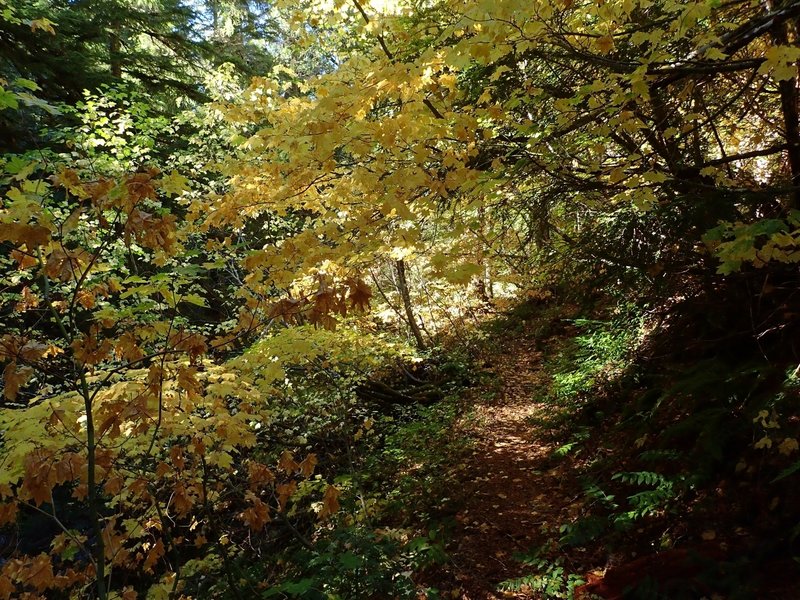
point(298, 587)
point(26, 83)
point(8, 100)
point(790, 470)
point(195, 299)
point(31, 100)
point(350, 561)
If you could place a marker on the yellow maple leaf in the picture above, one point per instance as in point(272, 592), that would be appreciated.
point(7, 588)
point(25, 260)
point(307, 466)
point(259, 475)
point(28, 301)
point(222, 459)
point(764, 442)
point(360, 294)
point(605, 44)
point(14, 377)
point(40, 572)
point(285, 491)
point(8, 512)
point(43, 25)
point(257, 515)
point(19, 233)
point(286, 463)
point(128, 593)
point(787, 446)
point(330, 502)
point(173, 184)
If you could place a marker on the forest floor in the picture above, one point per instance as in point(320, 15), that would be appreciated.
point(514, 495)
point(545, 441)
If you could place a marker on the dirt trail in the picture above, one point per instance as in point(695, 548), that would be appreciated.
point(512, 490)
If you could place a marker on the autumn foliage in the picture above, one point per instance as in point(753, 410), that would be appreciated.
point(155, 314)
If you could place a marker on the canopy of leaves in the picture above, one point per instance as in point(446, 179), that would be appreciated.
point(225, 223)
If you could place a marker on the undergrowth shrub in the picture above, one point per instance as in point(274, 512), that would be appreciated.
point(682, 446)
point(353, 562)
point(599, 353)
point(550, 577)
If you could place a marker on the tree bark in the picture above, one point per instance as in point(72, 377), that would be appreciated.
point(402, 287)
point(782, 34)
point(114, 50)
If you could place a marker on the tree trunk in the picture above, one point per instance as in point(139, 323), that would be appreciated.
point(114, 50)
point(783, 34)
point(402, 287)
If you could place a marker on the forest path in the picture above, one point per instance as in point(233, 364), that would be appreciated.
point(514, 493)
